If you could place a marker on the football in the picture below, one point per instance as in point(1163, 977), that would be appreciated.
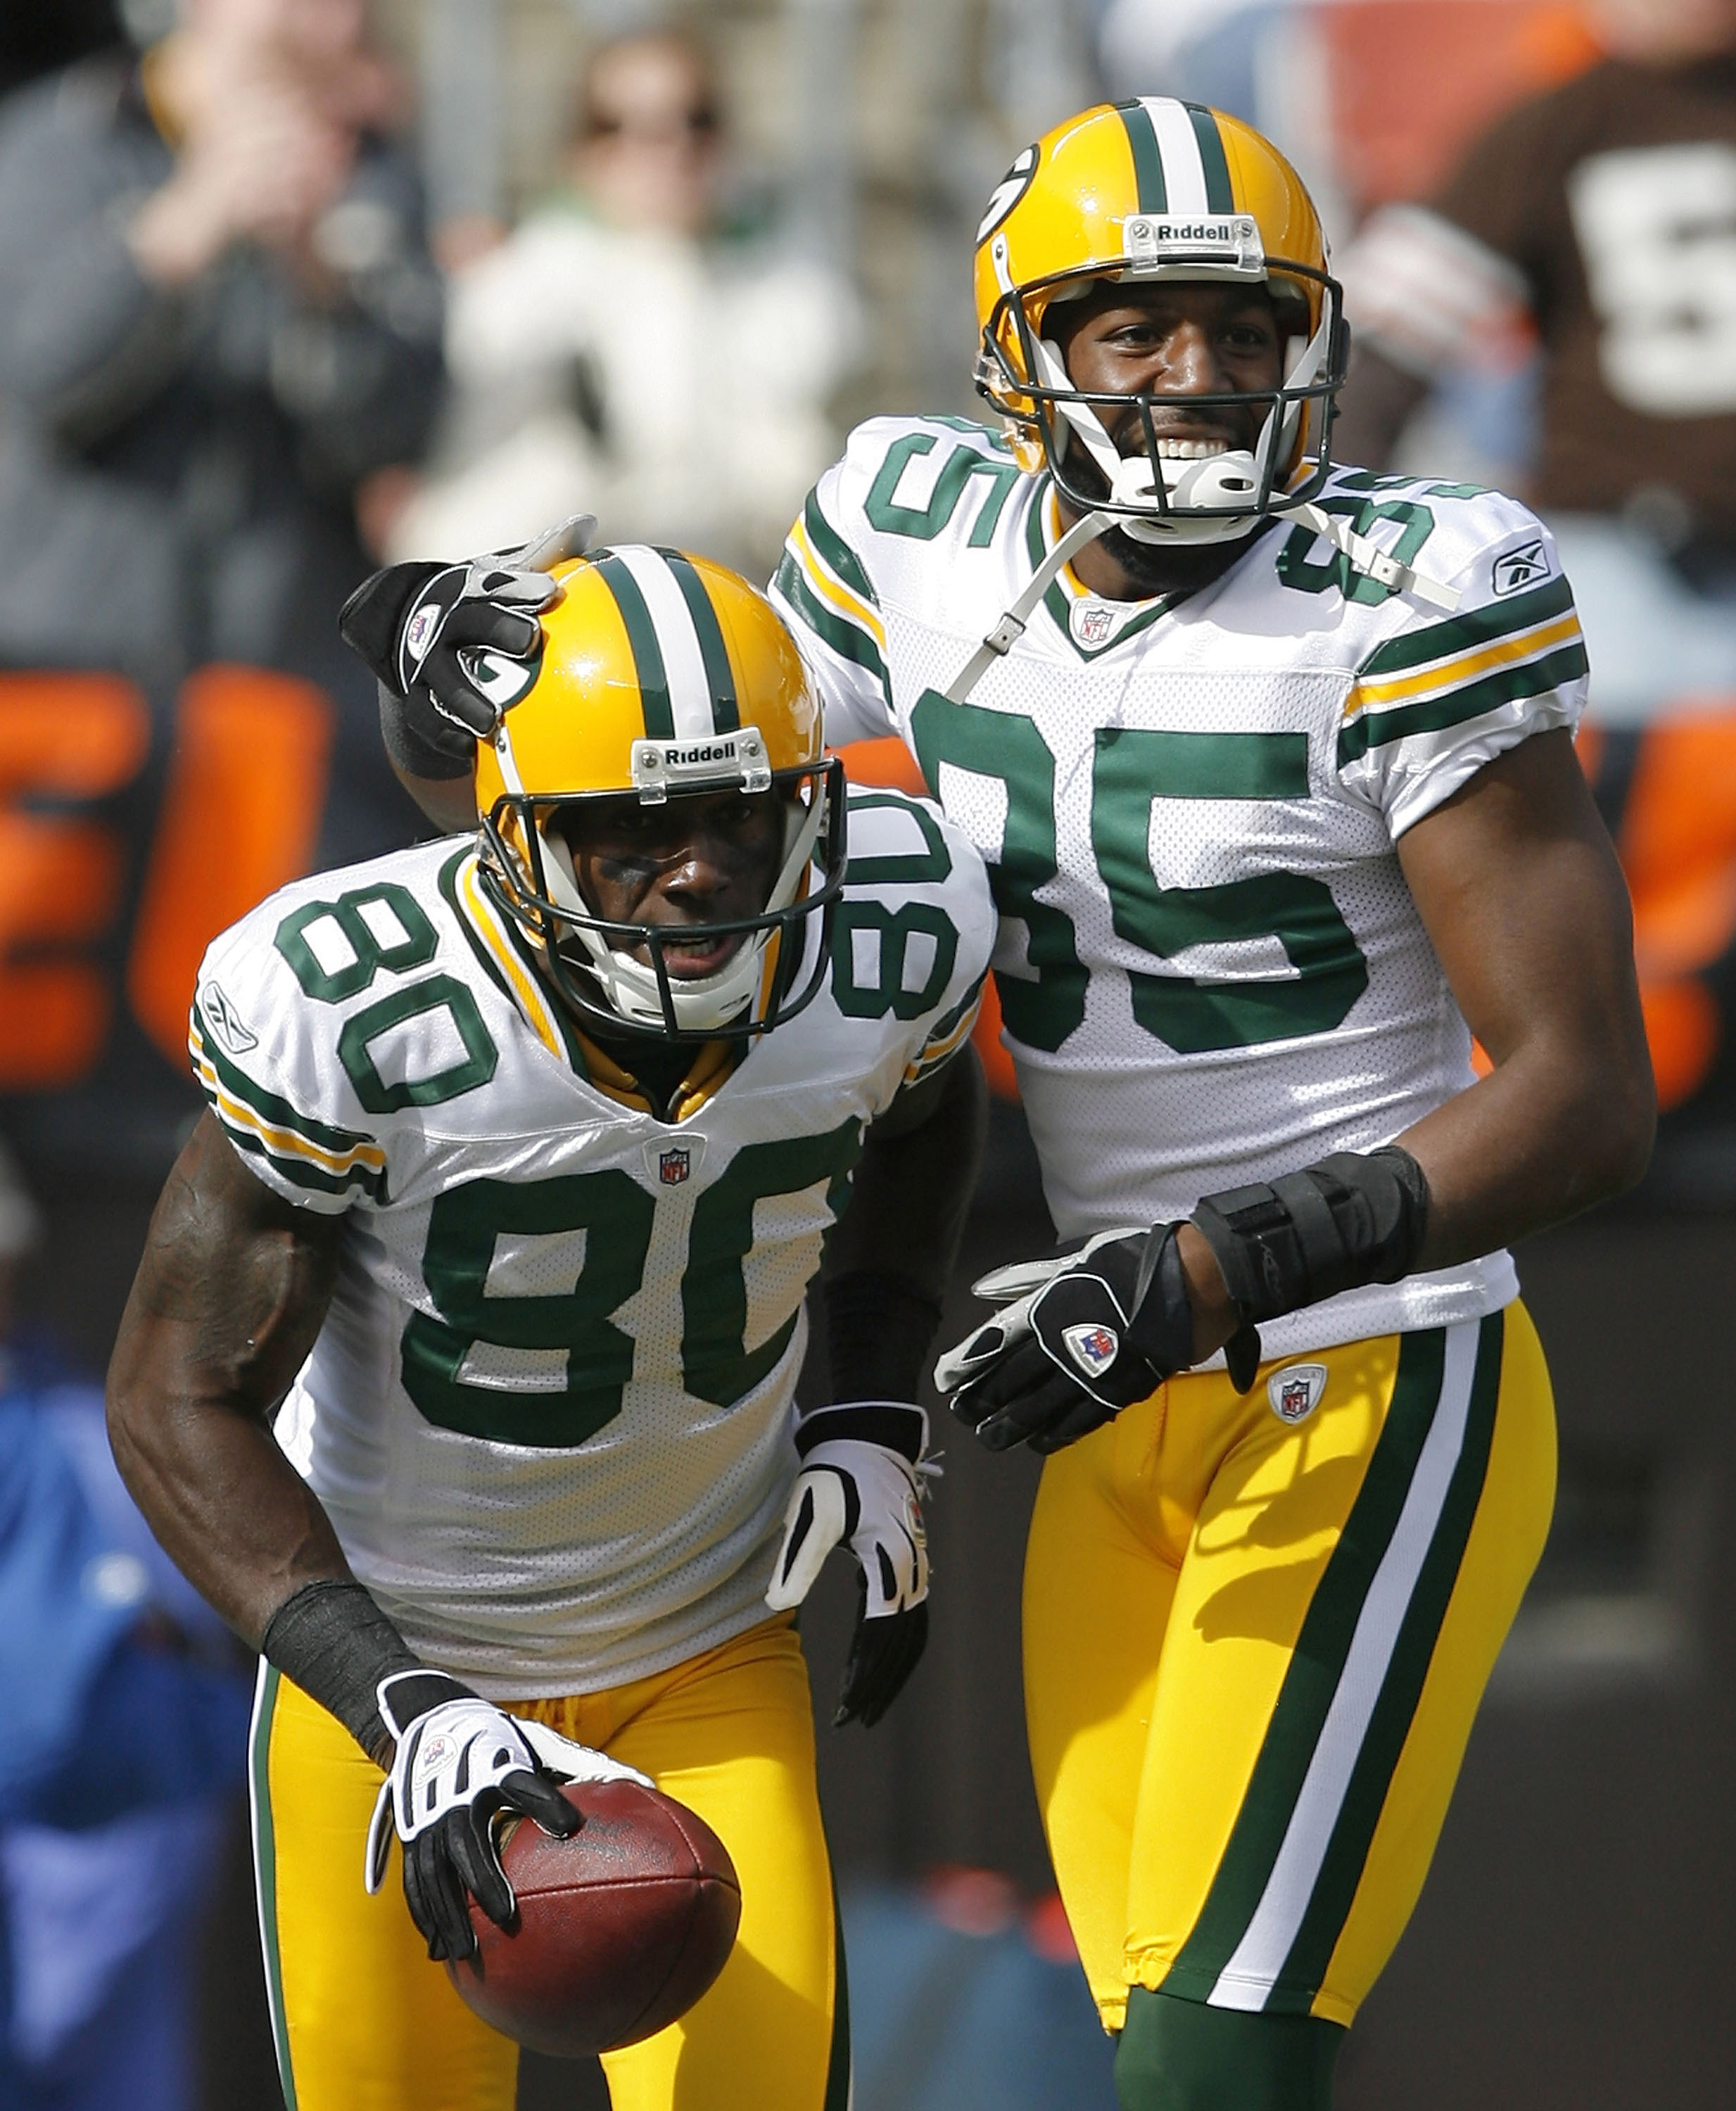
point(621, 1929)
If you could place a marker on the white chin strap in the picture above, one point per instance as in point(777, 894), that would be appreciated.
point(703, 1003)
point(1195, 491)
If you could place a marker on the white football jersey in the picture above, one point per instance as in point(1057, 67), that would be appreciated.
point(1210, 969)
point(550, 1412)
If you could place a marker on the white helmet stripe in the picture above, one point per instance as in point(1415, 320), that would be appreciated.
point(508, 759)
point(678, 639)
point(1183, 167)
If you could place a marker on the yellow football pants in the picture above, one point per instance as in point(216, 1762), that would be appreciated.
point(1253, 1649)
point(365, 2022)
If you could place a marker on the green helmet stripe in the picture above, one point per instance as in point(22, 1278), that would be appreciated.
point(647, 655)
point(1220, 198)
point(725, 715)
point(1142, 138)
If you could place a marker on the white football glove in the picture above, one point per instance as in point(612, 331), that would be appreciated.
point(460, 1763)
point(860, 1484)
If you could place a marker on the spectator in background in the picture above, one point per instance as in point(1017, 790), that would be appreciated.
point(126, 1713)
point(627, 353)
point(218, 339)
point(1599, 219)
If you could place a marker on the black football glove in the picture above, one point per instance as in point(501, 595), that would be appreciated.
point(860, 1484)
point(456, 645)
point(460, 1764)
point(1081, 1336)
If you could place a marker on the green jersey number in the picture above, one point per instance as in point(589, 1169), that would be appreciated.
point(1130, 768)
point(616, 1216)
point(1309, 575)
point(398, 938)
point(925, 522)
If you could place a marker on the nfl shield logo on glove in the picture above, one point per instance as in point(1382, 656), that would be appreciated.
point(1093, 1347)
point(1295, 1390)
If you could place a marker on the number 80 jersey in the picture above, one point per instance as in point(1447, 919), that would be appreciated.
point(550, 1410)
point(1210, 969)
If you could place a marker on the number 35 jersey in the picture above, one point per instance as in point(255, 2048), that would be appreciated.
point(550, 1410)
point(1210, 967)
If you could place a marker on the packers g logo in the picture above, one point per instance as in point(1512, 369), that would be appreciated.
point(1008, 192)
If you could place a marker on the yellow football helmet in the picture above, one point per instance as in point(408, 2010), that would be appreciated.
point(1148, 189)
point(661, 676)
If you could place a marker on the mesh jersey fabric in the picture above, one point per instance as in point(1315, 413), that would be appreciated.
point(550, 1410)
point(1211, 969)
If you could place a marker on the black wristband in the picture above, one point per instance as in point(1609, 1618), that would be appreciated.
point(879, 1329)
point(1354, 1217)
point(335, 1643)
point(889, 1423)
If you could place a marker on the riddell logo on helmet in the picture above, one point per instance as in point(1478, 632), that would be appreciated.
point(1146, 237)
point(689, 758)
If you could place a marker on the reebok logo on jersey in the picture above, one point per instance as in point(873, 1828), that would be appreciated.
point(1092, 1347)
point(1520, 568)
point(1295, 1390)
point(224, 1021)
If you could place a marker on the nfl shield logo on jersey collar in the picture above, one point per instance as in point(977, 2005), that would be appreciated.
point(673, 1165)
point(1295, 1390)
point(1092, 622)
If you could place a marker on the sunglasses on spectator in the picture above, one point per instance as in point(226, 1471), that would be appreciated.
point(701, 120)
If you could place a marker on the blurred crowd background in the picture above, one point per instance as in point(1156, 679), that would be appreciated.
point(289, 287)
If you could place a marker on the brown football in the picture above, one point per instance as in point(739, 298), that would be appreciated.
point(621, 1929)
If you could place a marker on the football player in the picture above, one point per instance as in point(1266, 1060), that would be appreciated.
point(1272, 763)
point(519, 1154)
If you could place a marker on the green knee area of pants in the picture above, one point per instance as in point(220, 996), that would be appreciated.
point(1178, 2055)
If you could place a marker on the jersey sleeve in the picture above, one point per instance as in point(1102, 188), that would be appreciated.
point(254, 1042)
point(823, 590)
point(1439, 697)
point(917, 918)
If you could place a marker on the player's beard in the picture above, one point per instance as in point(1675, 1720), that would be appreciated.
point(1158, 568)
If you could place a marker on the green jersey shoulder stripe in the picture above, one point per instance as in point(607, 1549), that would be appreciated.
point(641, 638)
point(1507, 685)
point(719, 679)
point(1142, 138)
point(837, 552)
point(270, 1105)
point(1465, 633)
point(299, 1172)
point(844, 638)
point(954, 1018)
point(1220, 198)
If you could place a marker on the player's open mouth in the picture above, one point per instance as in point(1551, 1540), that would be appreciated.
point(1173, 448)
point(687, 958)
